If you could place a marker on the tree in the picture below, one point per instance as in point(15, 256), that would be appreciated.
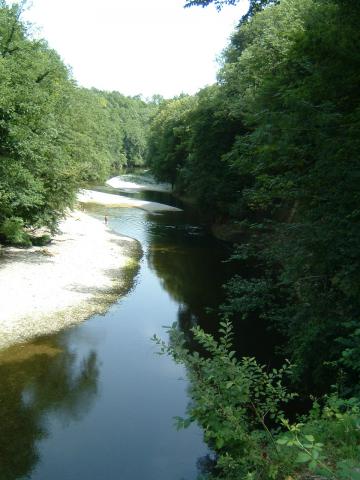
point(254, 5)
point(54, 136)
point(168, 138)
point(275, 145)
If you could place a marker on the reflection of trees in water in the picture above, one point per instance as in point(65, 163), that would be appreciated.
point(206, 465)
point(193, 276)
point(51, 380)
point(185, 321)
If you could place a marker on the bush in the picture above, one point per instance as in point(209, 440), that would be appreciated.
point(239, 404)
point(12, 230)
point(41, 241)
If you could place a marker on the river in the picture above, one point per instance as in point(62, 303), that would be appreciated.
point(95, 402)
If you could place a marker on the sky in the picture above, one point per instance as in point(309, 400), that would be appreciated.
point(137, 46)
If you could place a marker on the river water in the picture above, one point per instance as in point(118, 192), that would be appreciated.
point(95, 402)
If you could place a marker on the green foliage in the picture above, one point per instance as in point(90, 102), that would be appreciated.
point(187, 139)
point(301, 152)
point(168, 138)
point(254, 5)
point(335, 451)
point(38, 175)
point(239, 404)
point(234, 401)
point(12, 230)
point(41, 240)
point(275, 143)
point(205, 3)
point(128, 128)
point(54, 136)
point(211, 132)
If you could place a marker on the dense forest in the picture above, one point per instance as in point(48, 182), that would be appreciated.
point(271, 151)
point(55, 136)
point(270, 155)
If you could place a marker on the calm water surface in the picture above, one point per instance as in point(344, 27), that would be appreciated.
point(94, 402)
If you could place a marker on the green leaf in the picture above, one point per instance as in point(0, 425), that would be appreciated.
point(315, 454)
point(219, 442)
point(303, 457)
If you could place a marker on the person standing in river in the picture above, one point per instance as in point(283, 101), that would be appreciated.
point(106, 220)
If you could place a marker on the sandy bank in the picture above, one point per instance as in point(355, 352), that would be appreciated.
point(82, 271)
point(110, 200)
point(123, 184)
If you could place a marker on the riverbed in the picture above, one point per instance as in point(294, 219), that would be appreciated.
point(94, 401)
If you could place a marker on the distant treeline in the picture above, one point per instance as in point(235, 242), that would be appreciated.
point(54, 135)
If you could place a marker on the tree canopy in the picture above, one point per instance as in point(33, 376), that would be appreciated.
point(273, 147)
point(254, 5)
point(55, 136)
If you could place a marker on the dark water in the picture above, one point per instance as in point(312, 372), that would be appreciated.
point(95, 402)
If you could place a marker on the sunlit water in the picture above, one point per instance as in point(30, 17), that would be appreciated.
point(95, 402)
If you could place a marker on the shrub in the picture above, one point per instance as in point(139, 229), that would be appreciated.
point(12, 230)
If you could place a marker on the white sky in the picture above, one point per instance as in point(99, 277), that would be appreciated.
point(137, 46)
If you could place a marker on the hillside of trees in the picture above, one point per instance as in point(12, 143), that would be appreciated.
point(55, 136)
point(272, 149)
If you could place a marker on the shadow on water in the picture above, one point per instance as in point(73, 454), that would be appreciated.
point(193, 266)
point(180, 250)
point(36, 379)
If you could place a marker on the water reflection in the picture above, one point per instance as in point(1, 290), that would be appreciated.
point(49, 389)
point(35, 379)
point(190, 264)
point(193, 267)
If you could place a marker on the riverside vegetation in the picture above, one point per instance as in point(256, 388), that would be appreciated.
point(55, 136)
point(272, 151)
